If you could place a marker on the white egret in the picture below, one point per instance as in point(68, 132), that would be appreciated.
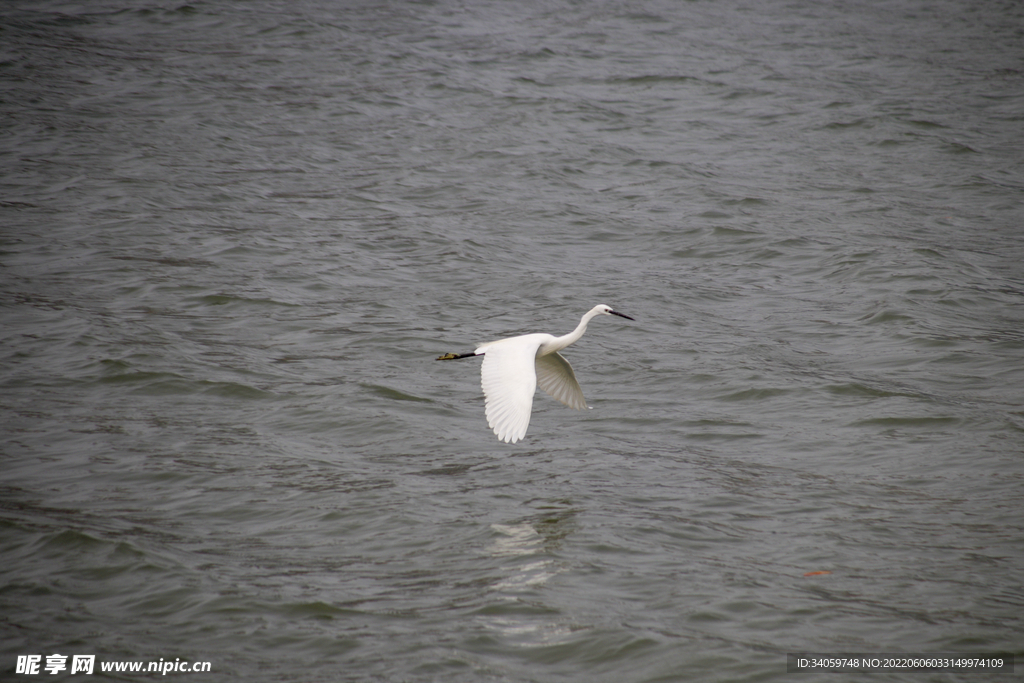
point(514, 367)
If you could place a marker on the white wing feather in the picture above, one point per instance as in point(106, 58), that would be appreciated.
point(556, 378)
point(508, 377)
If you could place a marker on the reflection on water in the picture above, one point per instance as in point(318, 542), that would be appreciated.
point(527, 562)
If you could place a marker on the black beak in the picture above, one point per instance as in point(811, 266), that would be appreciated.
point(622, 315)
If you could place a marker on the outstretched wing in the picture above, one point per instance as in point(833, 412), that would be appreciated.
point(509, 379)
point(556, 378)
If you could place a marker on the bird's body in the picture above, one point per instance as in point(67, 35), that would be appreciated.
point(514, 367)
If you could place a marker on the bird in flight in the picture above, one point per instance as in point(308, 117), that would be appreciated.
point(514, 367)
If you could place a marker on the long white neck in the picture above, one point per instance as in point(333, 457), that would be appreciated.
point(559, 343)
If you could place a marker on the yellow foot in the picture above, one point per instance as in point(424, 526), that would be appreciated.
point(447, 356)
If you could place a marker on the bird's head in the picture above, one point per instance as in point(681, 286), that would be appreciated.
point(607, 310)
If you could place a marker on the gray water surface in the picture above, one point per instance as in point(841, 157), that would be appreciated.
point(234, 236)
